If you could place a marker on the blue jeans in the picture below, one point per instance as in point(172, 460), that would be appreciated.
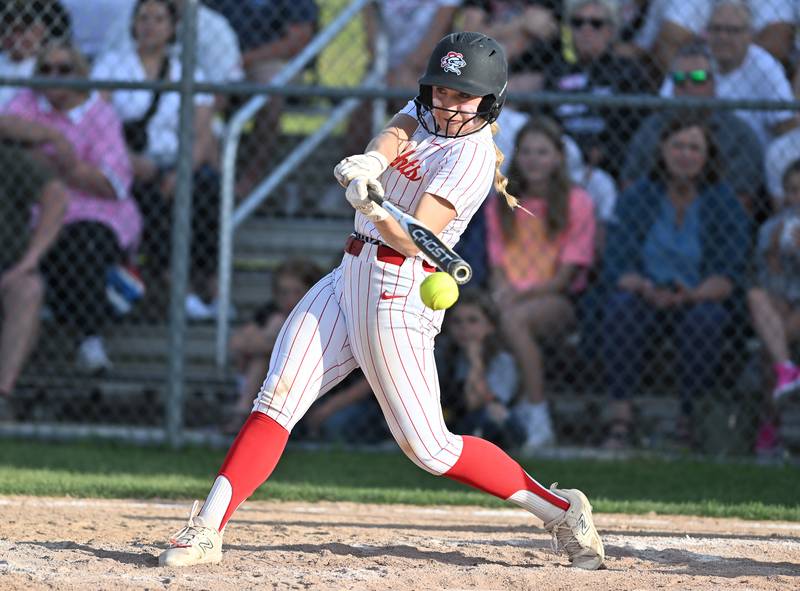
point(630, 322)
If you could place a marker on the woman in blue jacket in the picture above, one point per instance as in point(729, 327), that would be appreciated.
point(676, 254)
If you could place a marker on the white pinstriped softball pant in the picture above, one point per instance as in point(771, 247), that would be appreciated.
point(366, 313)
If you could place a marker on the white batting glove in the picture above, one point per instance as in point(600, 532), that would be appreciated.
point(369, 165)
point(356, 194)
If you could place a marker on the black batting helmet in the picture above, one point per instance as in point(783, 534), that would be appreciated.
point(467, 62)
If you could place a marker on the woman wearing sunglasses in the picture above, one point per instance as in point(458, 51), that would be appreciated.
point(601, 133)
point(102, 223)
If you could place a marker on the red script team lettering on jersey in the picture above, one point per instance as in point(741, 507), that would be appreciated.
point(408, 168)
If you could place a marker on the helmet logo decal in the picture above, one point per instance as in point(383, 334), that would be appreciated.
point(453, 62)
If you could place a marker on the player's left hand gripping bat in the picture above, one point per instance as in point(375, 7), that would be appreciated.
point(428, 243)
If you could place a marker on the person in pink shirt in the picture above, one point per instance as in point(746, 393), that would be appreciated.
point(102, 224)
point(539, 260)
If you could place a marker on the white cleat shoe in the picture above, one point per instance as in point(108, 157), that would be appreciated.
point(575, 532)
point(194, 544)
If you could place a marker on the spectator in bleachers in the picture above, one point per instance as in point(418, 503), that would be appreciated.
point(781, 152)
point(600, 132)
point(27, 26)
point(151, 121)
point(600, 185)
point(91, 20)
point(424, 21)
point(674, 256)
point(528, 30)
point(692, 74)
point(539, 262)
point(671, 24)
point(744, 70)
point(102, 224)
point(478, 376)
point(271, 33)
point(775, 300)
point(23, 184)
point(251, 345)
point(218, 54)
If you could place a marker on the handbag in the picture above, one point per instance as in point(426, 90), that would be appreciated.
point(136, 131)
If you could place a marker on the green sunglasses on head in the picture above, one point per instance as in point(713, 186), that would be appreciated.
point(693, 76)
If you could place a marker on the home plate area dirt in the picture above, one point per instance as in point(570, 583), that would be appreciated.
point(77, 544)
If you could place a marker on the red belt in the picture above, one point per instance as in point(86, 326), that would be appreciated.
point(385, 254)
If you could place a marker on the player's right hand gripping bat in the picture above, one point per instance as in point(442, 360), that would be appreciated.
point(428, 243)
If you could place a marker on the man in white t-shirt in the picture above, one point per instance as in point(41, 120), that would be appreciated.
point(218, 54)
point(745, 70)
point(671, 24)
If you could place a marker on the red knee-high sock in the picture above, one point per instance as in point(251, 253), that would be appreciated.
point(486, 467)
point(252, 458)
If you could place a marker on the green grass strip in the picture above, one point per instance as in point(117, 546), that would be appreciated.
point(636, 486)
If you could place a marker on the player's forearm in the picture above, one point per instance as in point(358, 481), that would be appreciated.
point(393, 235)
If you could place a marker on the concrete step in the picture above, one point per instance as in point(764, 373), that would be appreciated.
point(266, 242)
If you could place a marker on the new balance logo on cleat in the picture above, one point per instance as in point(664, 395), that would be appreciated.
point(194, 544)
point(575, 534)
point(582, 525)
point(205, 545)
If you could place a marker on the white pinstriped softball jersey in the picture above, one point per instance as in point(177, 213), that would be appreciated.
point(368, 313)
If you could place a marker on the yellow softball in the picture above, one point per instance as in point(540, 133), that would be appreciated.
point(439, 291)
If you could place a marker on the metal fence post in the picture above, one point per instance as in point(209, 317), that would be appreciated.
point(181, 229)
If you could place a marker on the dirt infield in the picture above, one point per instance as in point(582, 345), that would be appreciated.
point(98, 544)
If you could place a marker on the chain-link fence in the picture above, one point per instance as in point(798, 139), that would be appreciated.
point(653, 301)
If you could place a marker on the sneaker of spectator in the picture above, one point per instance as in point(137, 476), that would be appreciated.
point(768, 440)
point(787, 381)
point(535, 416)
point(92, 356)
point(197, 309)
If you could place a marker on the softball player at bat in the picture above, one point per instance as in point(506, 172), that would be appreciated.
point(437, 160)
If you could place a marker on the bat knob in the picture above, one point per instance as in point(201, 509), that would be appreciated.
point(460, 271)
